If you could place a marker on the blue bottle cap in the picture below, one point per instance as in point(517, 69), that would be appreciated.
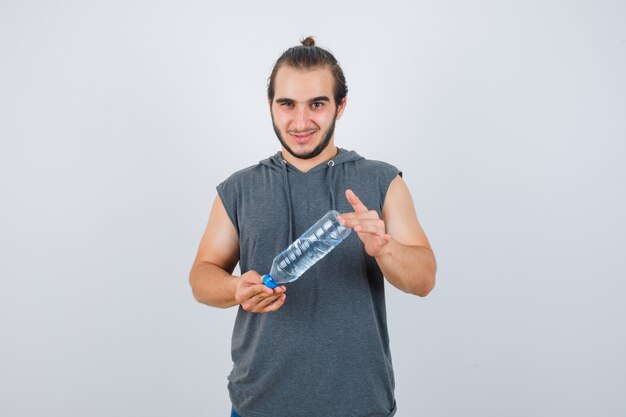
point(269, 282)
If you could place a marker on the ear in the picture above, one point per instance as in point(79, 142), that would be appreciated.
point(341, 107)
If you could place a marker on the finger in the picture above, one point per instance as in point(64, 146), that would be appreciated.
point(371, 239)
point(363, 220)
point(280, 289)
point(372, 244)
point(254, 290)
point(276, 304)
point(256, 303)
point(371, 229)
point(367, 224)
point(262, 293)
point(355, 202)
point(263, 304)
point(370, 214)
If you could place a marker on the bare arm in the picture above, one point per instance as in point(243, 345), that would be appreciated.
point(397, 241)
point(407, 260)
point(210, 276)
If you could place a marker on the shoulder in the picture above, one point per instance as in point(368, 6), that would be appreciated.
point(244, 184)
point(377, 171)
point(243, 173)
point(244, 177)
point(375, 165)
point(368, 165)
point(370, 180)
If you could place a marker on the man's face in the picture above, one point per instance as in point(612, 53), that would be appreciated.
point(304, 111)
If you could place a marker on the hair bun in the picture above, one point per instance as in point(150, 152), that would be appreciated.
point(308, 41)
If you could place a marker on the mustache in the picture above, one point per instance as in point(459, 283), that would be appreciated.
point(301, 132)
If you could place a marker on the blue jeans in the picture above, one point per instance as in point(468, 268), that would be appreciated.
point(233, 413)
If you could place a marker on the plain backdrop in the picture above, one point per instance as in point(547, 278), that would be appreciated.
point(119, 118)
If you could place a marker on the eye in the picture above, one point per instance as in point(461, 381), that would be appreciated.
point(286, 105)
point(317, 105)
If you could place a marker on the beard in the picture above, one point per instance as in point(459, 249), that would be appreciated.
point(317, 150)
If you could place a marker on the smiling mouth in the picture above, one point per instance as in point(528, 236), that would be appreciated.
point(302, 137)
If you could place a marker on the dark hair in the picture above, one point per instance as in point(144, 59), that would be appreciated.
point(307, 57)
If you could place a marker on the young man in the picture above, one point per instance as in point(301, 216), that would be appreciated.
point(319, 346)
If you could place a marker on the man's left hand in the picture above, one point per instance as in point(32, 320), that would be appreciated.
point(367, 224)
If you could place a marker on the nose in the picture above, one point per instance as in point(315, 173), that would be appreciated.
point(302, 117)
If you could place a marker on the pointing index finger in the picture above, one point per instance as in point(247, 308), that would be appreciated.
point(354, 201)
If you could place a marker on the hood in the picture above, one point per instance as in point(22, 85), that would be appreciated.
point(277, 163)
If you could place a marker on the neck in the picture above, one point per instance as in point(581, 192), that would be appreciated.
point(304, 165)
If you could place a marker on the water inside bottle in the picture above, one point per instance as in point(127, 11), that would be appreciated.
point(306, 251)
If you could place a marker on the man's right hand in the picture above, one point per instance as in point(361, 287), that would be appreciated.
point(256, 297)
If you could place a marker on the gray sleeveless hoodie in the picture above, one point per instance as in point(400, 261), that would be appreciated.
point(325, 352)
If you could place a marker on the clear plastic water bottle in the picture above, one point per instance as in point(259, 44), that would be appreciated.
point(309, 248)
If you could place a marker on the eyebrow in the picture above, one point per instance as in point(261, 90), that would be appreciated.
point(289, 101)
point(320, 98)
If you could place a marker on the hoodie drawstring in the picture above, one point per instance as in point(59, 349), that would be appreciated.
point(331, 183)
point(330, 177)
point(292, 237)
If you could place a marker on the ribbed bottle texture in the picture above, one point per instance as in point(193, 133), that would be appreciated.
point(309, 248)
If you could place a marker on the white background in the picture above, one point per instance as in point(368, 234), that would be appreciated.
point(119, 118)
